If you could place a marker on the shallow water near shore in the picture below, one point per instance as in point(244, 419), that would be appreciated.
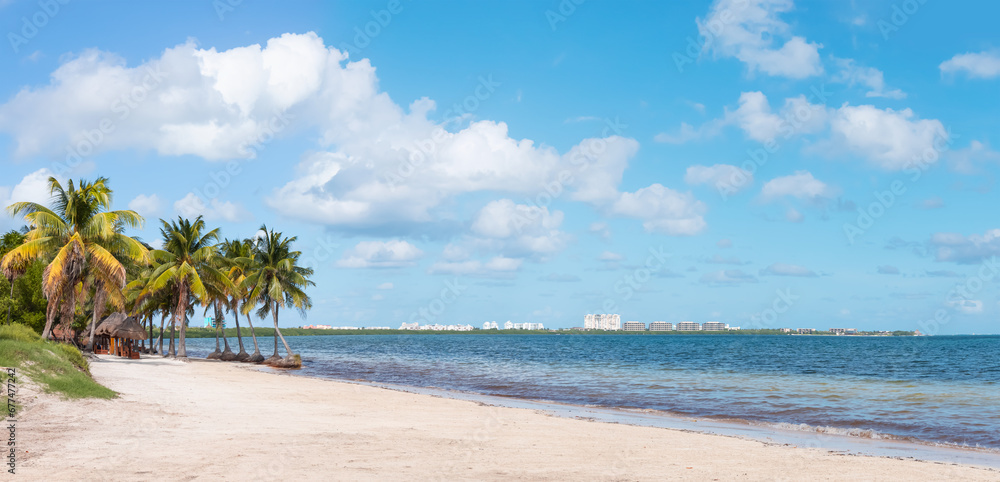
point(930, 390)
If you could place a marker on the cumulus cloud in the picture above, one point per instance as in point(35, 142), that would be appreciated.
point(519, 229)
point(754, 116)
point(610, 256)
point(32, 188)
point(146, 205)
point(385, 286)
point(191, 206)
point(782, 269)
point(496, 266)
point(956, 248)
point(969, 160)
point(728, 277)
point(720, 176)
point(976, 65)
point(801, 185)
point(381, 254)
point(753, 32)
point(663, 210)
point(850, 73)
point(379, 164)
point(890, 139)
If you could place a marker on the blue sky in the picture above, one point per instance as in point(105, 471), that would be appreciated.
point(763, 163)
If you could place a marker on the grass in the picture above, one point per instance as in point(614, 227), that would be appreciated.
point(56, 367)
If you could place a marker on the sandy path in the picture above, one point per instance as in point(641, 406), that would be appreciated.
point(211, 420)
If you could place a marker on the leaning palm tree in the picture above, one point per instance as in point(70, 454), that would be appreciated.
point(238, 255)
point(77, 236)
point(277, 282)
point(184, 264)
point(9, 241)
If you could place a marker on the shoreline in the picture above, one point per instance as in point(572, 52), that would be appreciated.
point(888, 445)
point(224, 421)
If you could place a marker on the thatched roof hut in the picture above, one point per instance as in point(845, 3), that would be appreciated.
point(117, 325)
point(130, 329)
point(108, 326)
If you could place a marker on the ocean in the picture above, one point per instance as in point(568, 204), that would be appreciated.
point(938, 390)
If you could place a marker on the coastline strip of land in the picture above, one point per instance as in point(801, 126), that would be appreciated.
point(203, 420)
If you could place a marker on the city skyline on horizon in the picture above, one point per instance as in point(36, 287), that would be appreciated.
point(755, 162)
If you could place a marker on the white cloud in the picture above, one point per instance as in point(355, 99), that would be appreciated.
point(852, 74)
point(609, 256)
point(751, 31)
point(967, 307)
point(980, 65)
point(146, 205)
point(380, 254)
point(520, 228)
point(754, 116)
point(794, 216)
point(720, 176)
point(801, 185)
point(601, 229)
point(499, 265)
point(956, 248)
point(890, 139)
point(968, 160)
point(782, 269)
point(663, 210)
point(385, 286)
point(728, 277)
point(192, 205)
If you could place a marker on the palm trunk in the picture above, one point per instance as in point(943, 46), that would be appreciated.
point(99, 299)
point(277, 332)
point(173, 327)
point(256, 357)
point(179, 316)
point(150, 319)
point(163, 320)
point(69, 312)
point(50, 317)
point(239, 337)
point(12, 301)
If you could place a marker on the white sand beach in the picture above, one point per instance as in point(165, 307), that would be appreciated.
point(203, 420)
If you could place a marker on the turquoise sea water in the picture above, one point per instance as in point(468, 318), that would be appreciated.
point(943, 389)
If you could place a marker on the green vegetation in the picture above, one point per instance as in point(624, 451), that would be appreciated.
point(56, 367)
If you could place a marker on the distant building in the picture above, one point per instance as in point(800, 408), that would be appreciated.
point(805, 331)
point(635, 326)
point(509, 325)
point(844, 331)
point(688, 326)
point(490, 325)
point(602, 322)
point(526, 326)
point(786, 330)
point(661, 326)
point(713, 326)
point(409, 326)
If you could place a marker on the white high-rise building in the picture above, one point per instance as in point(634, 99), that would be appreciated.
point(688, 326)
point(602, 322)
point(713, 326)
point(635, 326)
point(661, 326)
point(509, 325)
point(490, 325)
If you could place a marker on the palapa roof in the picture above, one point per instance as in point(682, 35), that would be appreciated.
point(117, 325)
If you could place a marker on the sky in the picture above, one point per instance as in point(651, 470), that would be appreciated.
point(763, 163)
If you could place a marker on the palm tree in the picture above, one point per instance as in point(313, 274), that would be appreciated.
point(184, 262)
point(78, 236)
point(217, 296)
point(9, 241)
point(239, 258)
point(277, 282)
